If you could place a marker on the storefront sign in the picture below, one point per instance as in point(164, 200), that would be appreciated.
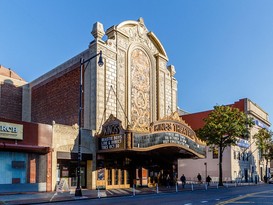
point(261, 124)
point(111, 142)
point(11, 131)
point(111, 129)
point(149, 140)
point(243, 143)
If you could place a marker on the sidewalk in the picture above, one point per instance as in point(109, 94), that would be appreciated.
point(47, 197)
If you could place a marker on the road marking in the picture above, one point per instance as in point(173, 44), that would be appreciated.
point(109, 192)
point(204, 202)
point(188, 204)
point(236, 199)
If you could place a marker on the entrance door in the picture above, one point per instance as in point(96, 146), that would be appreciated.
point(83, 174)
point(246, 175)
point(116, 178)
point(142, 177)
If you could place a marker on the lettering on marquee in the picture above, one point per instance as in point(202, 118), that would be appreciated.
point(111, 142)
point(111, 129)
point(149, 140)
point(173, 127)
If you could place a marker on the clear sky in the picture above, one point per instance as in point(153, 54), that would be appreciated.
point(222, 50)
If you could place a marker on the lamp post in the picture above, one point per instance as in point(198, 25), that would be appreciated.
point(78, 191)
point(206, 169)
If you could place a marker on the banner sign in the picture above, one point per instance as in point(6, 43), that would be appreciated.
point(243, 143)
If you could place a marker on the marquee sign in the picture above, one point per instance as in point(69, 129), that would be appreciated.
point(111, 136)
point(11, 131)
point(171, 130)
point(149, 140)
point(173, 127)
point(111, 142)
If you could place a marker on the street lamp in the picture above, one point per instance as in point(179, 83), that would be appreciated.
point(206, 169)
point(78, 191)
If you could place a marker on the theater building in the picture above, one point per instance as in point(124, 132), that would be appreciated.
point(131, 133)
point(243, 162)
point(129, 111)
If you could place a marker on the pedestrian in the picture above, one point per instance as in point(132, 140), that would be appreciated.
point(208, 179)
point(168, 180)
point(265, 179)
point(199, 178)
point(183, 180)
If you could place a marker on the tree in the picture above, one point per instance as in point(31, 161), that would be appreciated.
point(265, 144)
point(222, 128)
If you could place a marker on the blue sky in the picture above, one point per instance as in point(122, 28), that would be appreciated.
point(222, 50)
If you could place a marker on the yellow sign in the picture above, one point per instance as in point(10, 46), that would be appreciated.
point(11, 131)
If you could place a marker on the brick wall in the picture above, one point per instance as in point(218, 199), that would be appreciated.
point(57, 99)
point(11, 101)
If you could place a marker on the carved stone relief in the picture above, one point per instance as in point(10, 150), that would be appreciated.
point(121, 85)
point(122, 42)
point(140, 91)
point(161, 94)
point(138, 34)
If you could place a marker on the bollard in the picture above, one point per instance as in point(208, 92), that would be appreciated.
point(134, 191)
point(192, 186)
point(217, 185)
point(206, 186)
point(98, 193)
point(157, 188)
point(176, 188)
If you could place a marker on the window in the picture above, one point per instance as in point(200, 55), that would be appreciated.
point(234, 155)
point(215, 153)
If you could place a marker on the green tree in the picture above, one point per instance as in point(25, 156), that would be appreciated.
point(265, 145)
point(222, 128)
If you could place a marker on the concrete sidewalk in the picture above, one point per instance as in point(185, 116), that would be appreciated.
point(47, 197)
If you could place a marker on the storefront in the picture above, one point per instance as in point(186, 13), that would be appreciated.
point(125, 158)
point(25, 156)
point(65, 157)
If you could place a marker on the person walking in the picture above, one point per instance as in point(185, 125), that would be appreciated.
point(199, 178)
point(168, 180)
point(208, 180)
point(183, 180)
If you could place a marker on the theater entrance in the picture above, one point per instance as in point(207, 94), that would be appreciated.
point(126, 158)
point(126, 169)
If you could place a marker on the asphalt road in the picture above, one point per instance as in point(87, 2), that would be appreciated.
point(262, 194)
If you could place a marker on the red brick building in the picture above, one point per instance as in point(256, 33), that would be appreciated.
point(25, 148)
point(196, 120)
point(11, 89)
point(242, 162)
point(56, 97)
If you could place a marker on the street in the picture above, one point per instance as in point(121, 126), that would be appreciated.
point(262, 194)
